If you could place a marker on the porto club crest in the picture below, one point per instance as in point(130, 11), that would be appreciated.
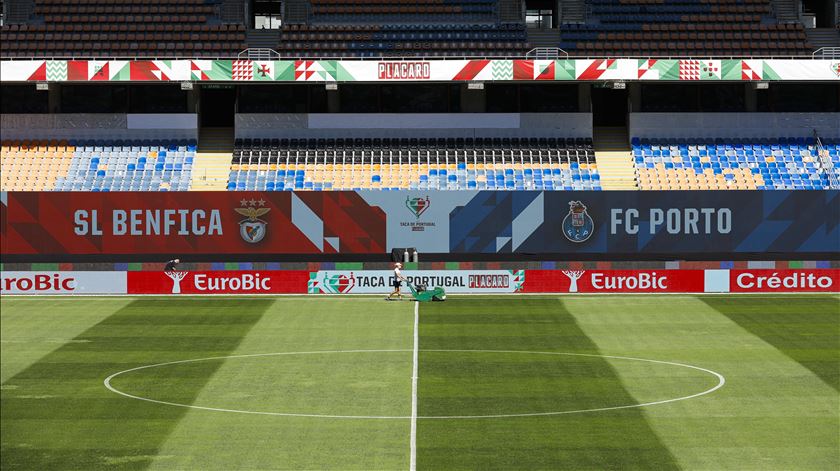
point(578, 225)
point(417, 205)
point(252, 229)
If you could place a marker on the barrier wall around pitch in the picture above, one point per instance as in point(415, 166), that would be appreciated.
point(472, 225)
point(377, 282)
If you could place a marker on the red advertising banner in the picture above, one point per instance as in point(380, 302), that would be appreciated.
point(80, 223)
point(784, 281)
point(218, 282)
point(614, 281)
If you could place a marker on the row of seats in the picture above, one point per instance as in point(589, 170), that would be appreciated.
point(683, 28)
point(420, 39)
point(412, 143)
point(427, 174)
point(124, 28)
point(136, 10)
point(751, 164)
point(97, 165)
point(96, 28)
point(433, 163)
point(376, 49)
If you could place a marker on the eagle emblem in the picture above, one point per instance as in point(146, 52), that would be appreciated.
point(252, 229)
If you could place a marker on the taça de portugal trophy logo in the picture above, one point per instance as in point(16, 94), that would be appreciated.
point(578, 225)
point(417, 206)
point(252, 229)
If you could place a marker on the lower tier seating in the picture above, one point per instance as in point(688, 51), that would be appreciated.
point(735, 164)
point(97, 165)
point(423, 164)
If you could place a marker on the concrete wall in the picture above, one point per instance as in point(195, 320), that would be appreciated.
point(414, 125)
point(99, 126)
point(736, 125)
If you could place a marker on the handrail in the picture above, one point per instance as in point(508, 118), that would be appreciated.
point(405, 58)
point(826, 163)
point(546, 53)
point(260, 54)
point(827, 53)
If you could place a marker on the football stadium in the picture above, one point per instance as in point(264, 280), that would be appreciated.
point(420, 235)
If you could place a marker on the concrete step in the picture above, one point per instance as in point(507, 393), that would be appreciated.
point(216, 140)
point(616, 170)
point(210, 171)
point(610, 139)
point(544, 37)
point(823, 37)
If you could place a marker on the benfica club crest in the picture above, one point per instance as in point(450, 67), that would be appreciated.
point(252, 229)
point(578, 225)
point(417, 206)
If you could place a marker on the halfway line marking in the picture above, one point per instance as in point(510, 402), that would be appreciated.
point(413, 460)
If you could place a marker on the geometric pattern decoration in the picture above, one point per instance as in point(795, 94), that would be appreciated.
point(242, 70)
point(419, 70)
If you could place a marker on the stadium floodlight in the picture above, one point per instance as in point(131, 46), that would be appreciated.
point(475, 86)
point(762, 85)
point(42, 86)
point(186, 85)
point(332, 86)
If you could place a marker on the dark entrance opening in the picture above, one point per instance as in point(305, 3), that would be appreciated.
point(218, 106)
point(825, 11)
point(609, 107)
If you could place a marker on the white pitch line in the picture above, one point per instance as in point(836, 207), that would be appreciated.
point(413, 460)
point(414, 417)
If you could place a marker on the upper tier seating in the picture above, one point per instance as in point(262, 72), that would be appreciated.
point(427, 39)
point(416, 163)
point(141, 28)
point(97, 165)
point(683, 28)
point(733, 164)
point(402, 11)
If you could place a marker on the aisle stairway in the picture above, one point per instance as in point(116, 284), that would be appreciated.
point(615, 162)
point(212, 163)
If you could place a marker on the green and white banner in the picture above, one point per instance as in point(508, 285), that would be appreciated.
point(382, 281)
point(419, 70)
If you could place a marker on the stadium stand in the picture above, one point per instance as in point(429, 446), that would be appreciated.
point(422, 39)
point(747, 164)
point(683, 28)
point(97, 165)
point(97, 28)
point(402, 10)
point(390, 28)
point(416, 163)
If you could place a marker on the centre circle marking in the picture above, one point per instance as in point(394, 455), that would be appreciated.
point(720, 378)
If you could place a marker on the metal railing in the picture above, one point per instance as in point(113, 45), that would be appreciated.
point(401, 58)
point(546, 53)
point(827, 53)
point(826, 163)
point(259, 54)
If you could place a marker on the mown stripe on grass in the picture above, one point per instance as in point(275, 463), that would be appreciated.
point(32, 327)
point(806, 329)
point(367, 384)
point(473, 383)
point(56, 414)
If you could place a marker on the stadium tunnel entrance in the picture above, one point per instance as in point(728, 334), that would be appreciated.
point(217, 107)
point(609, 106)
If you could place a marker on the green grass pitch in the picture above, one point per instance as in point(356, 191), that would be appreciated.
point(508, 382)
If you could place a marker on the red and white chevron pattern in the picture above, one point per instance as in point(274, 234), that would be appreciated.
point(243, 70)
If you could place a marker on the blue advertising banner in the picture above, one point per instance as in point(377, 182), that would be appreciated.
point(639, 222)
